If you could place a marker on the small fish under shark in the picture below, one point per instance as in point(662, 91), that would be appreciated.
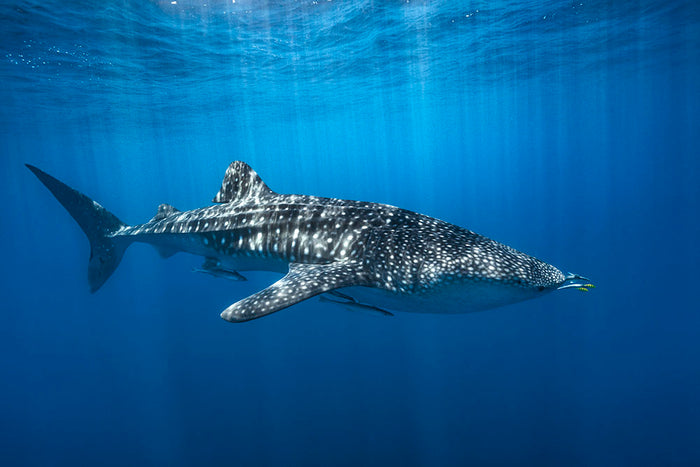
point(361, 255)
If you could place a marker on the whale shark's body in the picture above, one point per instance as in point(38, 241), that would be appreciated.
point(362, 254)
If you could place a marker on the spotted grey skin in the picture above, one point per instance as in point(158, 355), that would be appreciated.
point(374, 255)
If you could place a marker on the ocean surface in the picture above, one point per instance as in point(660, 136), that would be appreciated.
point(568, 130)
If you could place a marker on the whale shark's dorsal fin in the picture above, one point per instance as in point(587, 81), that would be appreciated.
point(241, 182)
point(164, 210)
point(301, 282)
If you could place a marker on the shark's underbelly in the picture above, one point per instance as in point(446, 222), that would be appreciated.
point(466, 297)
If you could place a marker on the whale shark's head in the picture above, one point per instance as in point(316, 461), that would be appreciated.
point(488, 274)
point(544, 277)
point(539, 276)
point(520, 277)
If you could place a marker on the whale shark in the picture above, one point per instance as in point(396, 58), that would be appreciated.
point(358, 254)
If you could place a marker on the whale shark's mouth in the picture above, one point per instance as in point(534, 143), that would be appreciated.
point(574, 281)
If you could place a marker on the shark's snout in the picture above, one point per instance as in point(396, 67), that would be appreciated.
point(544, 276)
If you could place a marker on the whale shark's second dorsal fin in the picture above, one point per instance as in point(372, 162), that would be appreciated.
point(164, 210)
point(241, 182)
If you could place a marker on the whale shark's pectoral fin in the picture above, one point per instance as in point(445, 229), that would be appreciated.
point(301, 282)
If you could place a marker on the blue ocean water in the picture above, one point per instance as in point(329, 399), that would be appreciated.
point(568, 130)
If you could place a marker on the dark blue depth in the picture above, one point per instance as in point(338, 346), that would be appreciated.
point(568, 130)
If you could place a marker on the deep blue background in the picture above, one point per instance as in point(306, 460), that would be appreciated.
point(568, 130)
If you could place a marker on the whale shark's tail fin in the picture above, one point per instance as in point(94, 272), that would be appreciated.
point(97, 223)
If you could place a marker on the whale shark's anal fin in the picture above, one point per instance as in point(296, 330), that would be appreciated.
point(301, 282)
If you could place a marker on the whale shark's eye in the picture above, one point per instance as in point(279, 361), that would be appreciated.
point(540, 288)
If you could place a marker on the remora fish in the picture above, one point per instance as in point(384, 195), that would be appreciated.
point(369, 255)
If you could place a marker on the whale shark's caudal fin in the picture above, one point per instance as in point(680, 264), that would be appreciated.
point(97, 223)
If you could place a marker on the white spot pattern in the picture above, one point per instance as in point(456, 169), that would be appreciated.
point(333, 241)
